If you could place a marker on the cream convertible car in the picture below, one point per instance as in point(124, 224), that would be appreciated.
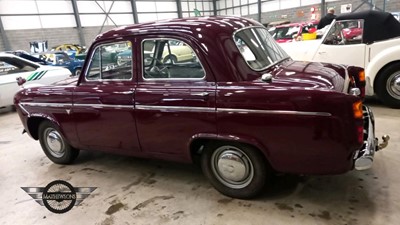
point(12, 67)
point(367, 39)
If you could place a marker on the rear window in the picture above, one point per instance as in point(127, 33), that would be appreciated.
point(258, 48)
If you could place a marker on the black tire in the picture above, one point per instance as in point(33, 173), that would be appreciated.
point(62, 152)
point(387, 85)
point(240, 183)
point(170, 59)
point(78, 72)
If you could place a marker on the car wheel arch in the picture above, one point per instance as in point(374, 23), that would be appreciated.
point(198, 143)
point(381, 70)
point(34, 122)
point(388, 95)
point(379, 62)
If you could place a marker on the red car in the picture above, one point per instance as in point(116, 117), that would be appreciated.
point(352, 29)
point(290, 32)
point(242, 109)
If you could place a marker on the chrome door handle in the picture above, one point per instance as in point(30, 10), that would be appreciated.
point(127, 92)
point(202, 94)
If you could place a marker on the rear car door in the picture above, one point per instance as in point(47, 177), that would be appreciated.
point(174, 101)
point(104, 102)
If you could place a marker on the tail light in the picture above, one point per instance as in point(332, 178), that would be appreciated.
point(361, 78)
point(357, 110)
point(358, 114)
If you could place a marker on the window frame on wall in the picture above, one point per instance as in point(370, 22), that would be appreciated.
point(35, 14)
point(205, 7)
point(157, 13)
point(105, 13)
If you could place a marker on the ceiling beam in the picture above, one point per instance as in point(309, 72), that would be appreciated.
point(78, 23)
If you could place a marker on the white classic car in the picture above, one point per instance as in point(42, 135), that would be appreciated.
point(12, 67)
point(368, 39)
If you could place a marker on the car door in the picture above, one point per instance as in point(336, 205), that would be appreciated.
point(343, 44)
point(174, 101)
point(104, 103)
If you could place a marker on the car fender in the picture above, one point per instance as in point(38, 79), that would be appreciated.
point(383, 58)
point(34, 116)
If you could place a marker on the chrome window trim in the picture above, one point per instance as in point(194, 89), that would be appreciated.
point(105, 80)
point(182, 108)
point(167, 79)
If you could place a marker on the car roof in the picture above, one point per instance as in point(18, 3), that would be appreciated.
point(378, 26)
point(206, 26)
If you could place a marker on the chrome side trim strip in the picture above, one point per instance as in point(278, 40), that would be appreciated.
point(102, 106)
point(180, 108)
point(175, 108)
point(229, 110)
point(69, 105)
point(54, 105)
point(283, 112)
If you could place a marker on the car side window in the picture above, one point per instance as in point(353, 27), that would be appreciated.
point(6, 68)
point(111, 62)
point(170, 59)
point(9, 66)
point(345, 32)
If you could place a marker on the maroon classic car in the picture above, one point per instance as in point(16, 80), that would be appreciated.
point(240, 106)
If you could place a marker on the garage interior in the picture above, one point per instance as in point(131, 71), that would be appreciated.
point(144, 191)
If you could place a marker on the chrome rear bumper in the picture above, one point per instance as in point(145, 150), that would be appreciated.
point(365, 156)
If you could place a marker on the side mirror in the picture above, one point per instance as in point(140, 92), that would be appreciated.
point(20, 81)
point(266, 77)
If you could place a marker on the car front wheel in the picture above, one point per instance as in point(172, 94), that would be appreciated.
point(54, 144)
point(388, 85)
point(235, 170)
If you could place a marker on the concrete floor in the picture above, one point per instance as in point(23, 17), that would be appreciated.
point(138, 191)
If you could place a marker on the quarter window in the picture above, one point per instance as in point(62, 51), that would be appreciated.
point(111, 62)
point(170, 59)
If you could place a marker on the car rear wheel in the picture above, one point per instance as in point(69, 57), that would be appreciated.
point(54, 144)
point(235, 170)
point(387, 85)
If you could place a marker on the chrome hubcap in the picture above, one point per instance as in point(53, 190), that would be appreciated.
point(54, 142)
point(393, 85)
point(232, 167)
